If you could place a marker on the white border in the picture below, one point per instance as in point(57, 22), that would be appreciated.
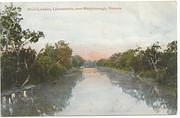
point(76, 0)
point(178, 81)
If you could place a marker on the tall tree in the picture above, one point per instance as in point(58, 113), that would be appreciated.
point(13, 37)
point(63, 53)
point(152, 55)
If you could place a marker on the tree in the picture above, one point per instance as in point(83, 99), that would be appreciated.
point(52, 61)
point(9, 67)
point(63, 53)
point(114, 59)
point(152, 55)
point(13, 38)
point(172, 47)
point(77, 61)
point(168, 61)
point(12, 35)
point(151, 62)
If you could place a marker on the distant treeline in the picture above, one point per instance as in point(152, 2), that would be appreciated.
point(152, 62)
point(20, 65)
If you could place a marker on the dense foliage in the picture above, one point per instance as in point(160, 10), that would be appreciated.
point(16, 60)
point(21, 66)
point(77, 61)
point(52, 62)
point(152, 62)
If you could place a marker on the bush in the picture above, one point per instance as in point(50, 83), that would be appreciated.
point(39, 70)
point(148, 74)
point(56, 70)
point(8, 70)
point(15, 69)
point(37, 74)
point(45, 69)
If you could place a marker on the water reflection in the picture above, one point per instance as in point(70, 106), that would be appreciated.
point(99, 94)
point(157, 96)
point(102, 91)
point(44, 99)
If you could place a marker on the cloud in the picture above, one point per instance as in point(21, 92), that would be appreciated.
point(98, 32)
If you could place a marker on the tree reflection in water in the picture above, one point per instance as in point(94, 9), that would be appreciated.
point(45, 99)
point(155, 95)
point(51, 98)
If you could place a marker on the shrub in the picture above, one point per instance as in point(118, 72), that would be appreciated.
point(56, 70)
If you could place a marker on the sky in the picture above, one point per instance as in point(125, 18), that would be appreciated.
point(98, 33)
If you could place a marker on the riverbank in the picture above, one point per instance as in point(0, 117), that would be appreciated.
point(105, 91)
point(93, 91)
point(29, 85)
point(147, 80)
point(119, 75)
point(155, 94)
point(45, 99)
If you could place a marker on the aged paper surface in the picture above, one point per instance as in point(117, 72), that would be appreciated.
point(88, 58)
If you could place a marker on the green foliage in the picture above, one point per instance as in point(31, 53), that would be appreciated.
point(105, 62)
point(9, 67)
point(148, 74)
point(168, 63)
point(52, 62)
point(59, 54)
point(63, 54)
point(56, 70)
point(151, 62)
point(45, 69)
point(15, 58)
point(12, 35)
point(42, 67)
point(20, 64)
point(77, 61)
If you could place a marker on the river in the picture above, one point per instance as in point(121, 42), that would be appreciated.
point(94, 91)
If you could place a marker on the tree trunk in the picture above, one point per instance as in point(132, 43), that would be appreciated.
point(28, 77)
point(18, 65)
point(26, 81)
point(154, 64)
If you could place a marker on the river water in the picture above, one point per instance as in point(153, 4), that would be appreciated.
point(99, 91)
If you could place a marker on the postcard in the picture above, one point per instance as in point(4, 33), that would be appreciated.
point(88, 58)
